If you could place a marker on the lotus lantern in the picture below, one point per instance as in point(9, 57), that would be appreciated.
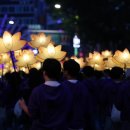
point(95, 58)
point(50, 52)
point(106, 54)
point(39, 40)
point(26, 58)
point(11, 42)
point(122, 58)
point(4, 58)
point(110, 64)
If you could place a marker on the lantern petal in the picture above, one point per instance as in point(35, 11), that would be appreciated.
point(16, 37)
point(58, 48)
point(60, 55)
point(3, 49)
point(18, 45)
point(6, 33)
point(39, 59)
point(33, 37)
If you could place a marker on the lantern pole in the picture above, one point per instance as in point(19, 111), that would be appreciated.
point(11, 55)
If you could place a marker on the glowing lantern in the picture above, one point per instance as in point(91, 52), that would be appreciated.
point(26, 58)
point(50, 52)
point(39, 40)
point(11, 43)
point(95, 58)
point(110, 64)
point(4, 58)
point(122, 58)
point(106, 54)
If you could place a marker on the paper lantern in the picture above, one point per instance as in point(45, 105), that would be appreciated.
point(39, 40)
point(26, 58)
point(50, 52)
point(11, 42)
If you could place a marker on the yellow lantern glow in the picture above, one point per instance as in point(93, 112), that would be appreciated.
point(106, 54)
point(51, 49)
point(122, 58)
point(4, 58)
point(26, 58)
point(11, 42)
point(110, 64)
point(39, 40)
point(95, 58)
point(50, 52)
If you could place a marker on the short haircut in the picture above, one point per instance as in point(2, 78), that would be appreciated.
point(52, 68)
point(116, 73)
point(88, 71)
point(72, 67)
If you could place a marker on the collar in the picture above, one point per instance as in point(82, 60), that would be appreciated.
point(73, 81)
point(52, 83)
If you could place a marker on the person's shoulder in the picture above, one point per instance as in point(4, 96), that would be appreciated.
point(38, 88)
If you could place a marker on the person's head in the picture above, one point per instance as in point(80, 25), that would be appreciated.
point(116, 73)
point(71, 68)
point(35, 78)
point(51, 69)
point(88, 71)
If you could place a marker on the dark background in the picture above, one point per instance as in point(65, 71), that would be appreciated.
point(103, 24)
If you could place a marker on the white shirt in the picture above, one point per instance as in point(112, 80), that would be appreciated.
point(73, 81)
point(52, 83)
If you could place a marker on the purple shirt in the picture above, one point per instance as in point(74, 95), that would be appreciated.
point(80, 104)
point(49, 107)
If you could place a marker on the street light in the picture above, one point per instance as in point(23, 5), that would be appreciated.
point(57, 6)
point(11, 22)
point(76, 44)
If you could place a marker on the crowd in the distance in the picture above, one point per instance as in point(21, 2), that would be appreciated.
point(65, 98)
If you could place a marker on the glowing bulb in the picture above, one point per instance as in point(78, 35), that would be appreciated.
point(41, 39)
point(125, 55)
point(26, 57)
point(7, 39)
point(51, 49)
point(57, 6)
point(11, 22)
point(97, 57)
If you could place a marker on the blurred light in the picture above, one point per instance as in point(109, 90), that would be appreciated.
point(35, 52)
point(11, 22)
point(77, 17)
point(76, 42)
point(57, 6)
point(117, 8)
point(59, 21)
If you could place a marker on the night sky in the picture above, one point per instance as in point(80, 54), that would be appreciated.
point(104, 21)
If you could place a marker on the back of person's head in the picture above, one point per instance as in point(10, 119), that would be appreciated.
point(88, 71)
point(34, 78)
point(52, 68)
point(116, 73)
point(72, 67)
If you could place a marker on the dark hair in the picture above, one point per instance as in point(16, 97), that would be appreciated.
point(52, 68)
point(72, 67)
point(35, 78)
point(88, 71)
point(116, 73)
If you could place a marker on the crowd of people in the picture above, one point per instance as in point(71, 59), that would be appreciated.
point(65, 98)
